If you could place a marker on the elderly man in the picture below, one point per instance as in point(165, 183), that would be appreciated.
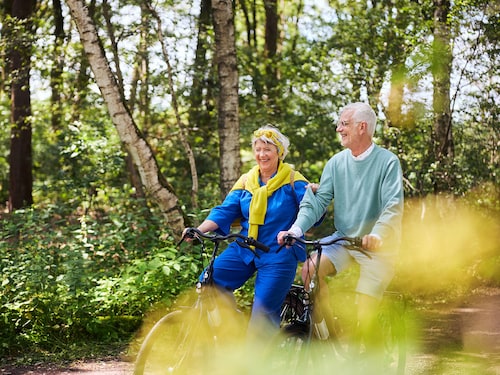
point(365, 183)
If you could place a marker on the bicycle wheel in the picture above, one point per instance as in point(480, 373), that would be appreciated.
point(389, 355)
point(299, 352)
point(175, 345)
point(290, 346)
point(393, 327)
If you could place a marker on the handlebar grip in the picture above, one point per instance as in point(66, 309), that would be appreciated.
point(253, 242)
point(190, 232)
point(288, 240)
point(358, 242)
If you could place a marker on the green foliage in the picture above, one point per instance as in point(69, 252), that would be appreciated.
point(89, 260)
point(66, 279)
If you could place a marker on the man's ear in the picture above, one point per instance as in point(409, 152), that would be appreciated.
point(363, 127)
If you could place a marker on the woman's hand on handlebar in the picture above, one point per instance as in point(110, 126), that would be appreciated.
point(314, 187)
point(206, 226)
point(185, 236)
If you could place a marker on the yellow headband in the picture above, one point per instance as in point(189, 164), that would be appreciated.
point(272, 136)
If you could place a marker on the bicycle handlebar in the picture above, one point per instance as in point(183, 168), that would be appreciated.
point(353, 243)
point(196, 233)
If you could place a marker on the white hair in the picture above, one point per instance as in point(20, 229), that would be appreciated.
point(362, 112)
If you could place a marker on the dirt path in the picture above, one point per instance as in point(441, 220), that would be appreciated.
point(461, 339)
point(453, 340)
point(103, 367)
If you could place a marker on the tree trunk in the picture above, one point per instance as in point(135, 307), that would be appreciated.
point(130, 135)
point(18, 56)
point(250, 16)
point(270, 53)
point(201, 97)
point(441, 71)
point(132, 172)
point(229, 126)
point(56, 72)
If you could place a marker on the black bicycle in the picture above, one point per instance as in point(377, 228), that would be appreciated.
point(303, 343)
point(186, 340)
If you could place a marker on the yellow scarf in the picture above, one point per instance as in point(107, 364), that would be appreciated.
point(258, 204)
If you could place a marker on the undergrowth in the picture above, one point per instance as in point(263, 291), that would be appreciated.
point(71, 280)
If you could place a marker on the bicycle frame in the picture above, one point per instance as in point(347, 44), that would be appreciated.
point(298, 321)
point(309, 292)
point(184, 340)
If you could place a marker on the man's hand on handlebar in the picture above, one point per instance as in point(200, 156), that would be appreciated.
point(371, 242)
point(281, 237)
point(294, 231)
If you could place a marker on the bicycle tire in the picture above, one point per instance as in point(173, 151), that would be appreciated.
point(173, 345)
point(289, 350)
point(392, 321)
point(392, 331)
point(298, 350)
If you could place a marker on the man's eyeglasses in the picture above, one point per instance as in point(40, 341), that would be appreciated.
point(345, 124)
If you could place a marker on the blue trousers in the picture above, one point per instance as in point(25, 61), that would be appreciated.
point(275, 274)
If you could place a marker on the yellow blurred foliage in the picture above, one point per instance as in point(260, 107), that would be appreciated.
point(443, 242)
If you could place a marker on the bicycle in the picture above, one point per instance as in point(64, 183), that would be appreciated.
point(304, 348)
point(184, 341)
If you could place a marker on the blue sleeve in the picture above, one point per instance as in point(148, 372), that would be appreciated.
point(227, 212)
point(300, 190)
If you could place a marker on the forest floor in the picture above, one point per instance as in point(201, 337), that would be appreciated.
point(454, 339)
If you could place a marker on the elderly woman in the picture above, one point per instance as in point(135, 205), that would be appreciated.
point(265, 201)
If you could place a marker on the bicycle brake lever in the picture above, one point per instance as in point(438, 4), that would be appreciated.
point(365, 253)
point(190, 233)
point(358, 248)
point(357, 245)
point(182, 240)
point(287, 242)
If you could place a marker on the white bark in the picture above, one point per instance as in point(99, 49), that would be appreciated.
point(138, 148)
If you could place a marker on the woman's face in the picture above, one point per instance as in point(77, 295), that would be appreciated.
point(266, 156)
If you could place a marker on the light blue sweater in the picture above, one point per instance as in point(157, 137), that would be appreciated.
point(367, 196)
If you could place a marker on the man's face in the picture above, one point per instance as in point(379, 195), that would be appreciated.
point(348, 130)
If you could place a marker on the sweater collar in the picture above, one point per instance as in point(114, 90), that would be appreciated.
point(365, 153)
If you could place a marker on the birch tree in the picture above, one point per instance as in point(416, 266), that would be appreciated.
point(136, 145)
